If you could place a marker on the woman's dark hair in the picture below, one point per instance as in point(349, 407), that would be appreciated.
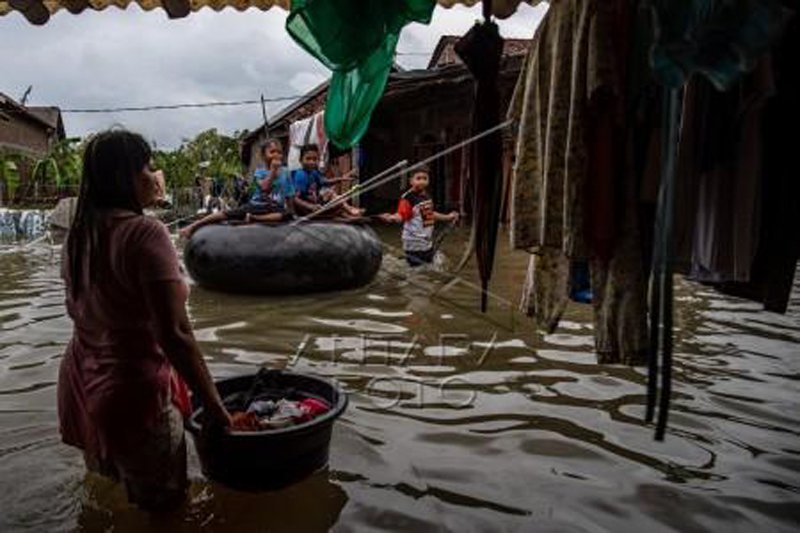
point(112, 161)
point(308, 148)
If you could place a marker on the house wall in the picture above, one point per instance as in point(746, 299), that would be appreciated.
point(419, 123)
point(22, 135)
point(26, 136)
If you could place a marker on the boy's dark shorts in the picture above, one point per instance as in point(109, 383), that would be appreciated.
point(241, 212)
point(417, 258)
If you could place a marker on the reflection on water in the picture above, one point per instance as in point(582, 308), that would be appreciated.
point(457, 420)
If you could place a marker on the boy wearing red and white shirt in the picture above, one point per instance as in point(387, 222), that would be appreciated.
point(415, 210)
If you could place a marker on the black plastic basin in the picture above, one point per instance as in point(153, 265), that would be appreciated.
point(276, 458)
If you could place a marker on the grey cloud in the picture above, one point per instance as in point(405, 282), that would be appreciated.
point(132, 58)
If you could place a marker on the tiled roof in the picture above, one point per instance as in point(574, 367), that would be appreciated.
point(444, 54)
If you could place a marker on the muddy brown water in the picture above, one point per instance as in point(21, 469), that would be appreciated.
point(457, 421)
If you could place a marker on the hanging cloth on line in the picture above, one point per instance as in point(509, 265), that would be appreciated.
point(357, 41)
point(721, 41)
point(481, 50)
point(573, 198)
point(309, 130)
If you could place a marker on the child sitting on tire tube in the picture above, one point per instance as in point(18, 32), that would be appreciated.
point(271, 200)
point(415, 210)
point(313, 190)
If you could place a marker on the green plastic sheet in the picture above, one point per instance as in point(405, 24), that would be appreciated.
point(356, 39)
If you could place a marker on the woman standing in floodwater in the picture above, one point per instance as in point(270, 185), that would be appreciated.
point(120, 398)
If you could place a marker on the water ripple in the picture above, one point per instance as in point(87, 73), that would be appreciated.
point(458, 420)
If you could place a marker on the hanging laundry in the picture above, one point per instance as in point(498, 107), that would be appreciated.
point(719, 40)
point(481, 50)
point(570, 75)
point(755, 205)
point(580, 285)
point(724, 172)
point(357, 41)
point(309, 130)
point(573, 195)
point(550, 166)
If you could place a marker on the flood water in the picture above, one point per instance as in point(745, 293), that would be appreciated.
point(457, 421)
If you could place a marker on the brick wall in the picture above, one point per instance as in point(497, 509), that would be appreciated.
point(19, 133)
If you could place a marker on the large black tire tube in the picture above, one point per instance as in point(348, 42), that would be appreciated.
point(283, 259)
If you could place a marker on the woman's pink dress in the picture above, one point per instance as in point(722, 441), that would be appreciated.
point(114, 380)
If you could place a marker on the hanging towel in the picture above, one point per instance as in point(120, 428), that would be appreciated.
point(309, 130)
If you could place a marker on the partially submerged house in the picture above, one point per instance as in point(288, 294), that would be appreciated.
point(29, 130)
point(421, 113)
point(26, 131)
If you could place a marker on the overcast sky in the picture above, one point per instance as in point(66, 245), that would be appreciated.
point(119, 58)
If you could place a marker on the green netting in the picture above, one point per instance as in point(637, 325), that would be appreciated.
point(356, 39)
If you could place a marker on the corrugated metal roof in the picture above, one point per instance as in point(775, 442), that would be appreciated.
point(39, 11)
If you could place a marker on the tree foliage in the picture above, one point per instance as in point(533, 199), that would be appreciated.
point(209, 154)
point(9, 175)
point(63, 166)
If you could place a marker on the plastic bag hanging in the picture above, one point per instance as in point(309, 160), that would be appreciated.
point(356, 39)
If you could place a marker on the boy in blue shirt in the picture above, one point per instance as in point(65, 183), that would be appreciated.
point(313, 190)
point(271, 199)
point(273, 185)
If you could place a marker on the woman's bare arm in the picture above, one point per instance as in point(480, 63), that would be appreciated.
point(174, 333)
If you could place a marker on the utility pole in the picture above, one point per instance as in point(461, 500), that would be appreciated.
point(264, 115)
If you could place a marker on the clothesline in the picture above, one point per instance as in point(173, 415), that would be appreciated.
point(163, 107)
